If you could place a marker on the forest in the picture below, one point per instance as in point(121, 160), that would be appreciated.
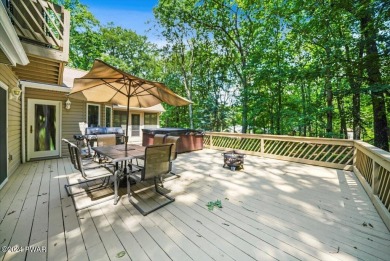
point(317, 68)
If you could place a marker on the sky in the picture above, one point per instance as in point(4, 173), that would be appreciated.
point(130, 14)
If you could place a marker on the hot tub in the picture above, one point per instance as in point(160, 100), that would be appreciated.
point(190, 140)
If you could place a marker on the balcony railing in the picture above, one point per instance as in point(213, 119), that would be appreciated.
point(370, 164)
point(41, 23)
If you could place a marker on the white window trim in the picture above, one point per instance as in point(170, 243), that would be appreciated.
point(93, 104)
point(105, 115)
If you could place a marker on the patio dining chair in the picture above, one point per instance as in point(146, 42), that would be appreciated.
point(156, 163)
point(172, 140)
point(104, 140)
point(87, 162)
point(159, 139)
point(101, 172)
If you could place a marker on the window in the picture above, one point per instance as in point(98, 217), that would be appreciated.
point(108, 116)
point(150, 119)
point(93, 115)
point(119, 118)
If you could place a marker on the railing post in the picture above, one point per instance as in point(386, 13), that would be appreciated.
point(211, 141)
point(375, 177)
point(354, 155)
point(262, 146)
point(66, 32)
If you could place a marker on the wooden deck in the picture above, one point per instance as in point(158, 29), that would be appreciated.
point(271, 210)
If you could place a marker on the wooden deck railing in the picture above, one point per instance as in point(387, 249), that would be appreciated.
point(40, 22)
point(372, 167)
point(331, 153)
point(370, 164)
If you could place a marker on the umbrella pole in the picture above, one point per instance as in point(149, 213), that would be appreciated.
point(127, 122)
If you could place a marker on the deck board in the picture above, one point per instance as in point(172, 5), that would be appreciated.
point(39, 230)
point(20, 216)
point(56, 236)
point(75, 247)
point(271, 210)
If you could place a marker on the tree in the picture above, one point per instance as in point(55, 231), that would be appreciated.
point(227, 23)
point(85, 39)
point(129, 51)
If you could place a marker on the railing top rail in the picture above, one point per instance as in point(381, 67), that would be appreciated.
point(285, 138)
point(41, 21)
point(378, 155)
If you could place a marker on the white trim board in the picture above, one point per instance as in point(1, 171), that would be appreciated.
point(45, 86)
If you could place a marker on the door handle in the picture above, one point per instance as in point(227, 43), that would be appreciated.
point(30, 128)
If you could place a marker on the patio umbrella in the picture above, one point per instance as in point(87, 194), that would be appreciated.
point(105, 83)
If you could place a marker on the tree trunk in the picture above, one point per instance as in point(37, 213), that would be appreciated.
point(304, 112)
point(355, 85)
point(343, 122)
point(279, 110)
point(329, 97)
point(245, 107)
point(372, 65)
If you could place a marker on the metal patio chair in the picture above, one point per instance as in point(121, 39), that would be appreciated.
point(100, 172)
point(159, 139)
point(172, 140)
point(87, 162)
point(156, 163)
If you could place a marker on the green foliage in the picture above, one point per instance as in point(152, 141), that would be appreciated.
point(210, 205)
point(278, 67)
point(85, 39)
point(129, 51)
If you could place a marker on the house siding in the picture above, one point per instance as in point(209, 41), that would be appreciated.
point(8, 77)
point(138, 139)
point(70, 118)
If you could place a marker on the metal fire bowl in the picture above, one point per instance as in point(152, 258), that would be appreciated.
point(233, 159)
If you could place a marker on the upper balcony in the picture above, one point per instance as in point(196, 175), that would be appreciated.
point(43, 29)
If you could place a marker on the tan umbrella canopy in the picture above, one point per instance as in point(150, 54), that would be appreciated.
point(105, 83)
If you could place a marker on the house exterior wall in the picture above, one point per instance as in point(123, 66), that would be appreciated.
point(138, 139)
point(8, 78)
point(70, 118)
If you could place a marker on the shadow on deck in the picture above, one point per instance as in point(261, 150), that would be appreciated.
point(270, 210)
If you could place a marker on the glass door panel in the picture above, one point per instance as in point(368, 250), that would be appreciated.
point(135, 125)
point(45, 128)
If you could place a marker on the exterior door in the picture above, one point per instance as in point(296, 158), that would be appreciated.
point(43, 133)
point(3, 137)
point(135, 125)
